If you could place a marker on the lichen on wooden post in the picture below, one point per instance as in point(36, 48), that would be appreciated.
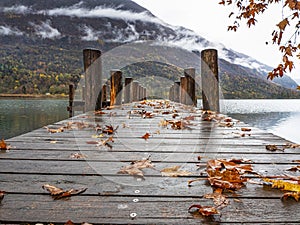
point(210, 80)
point(93, 73)
point(115, 87)
point(189, 73)
point(128, 90)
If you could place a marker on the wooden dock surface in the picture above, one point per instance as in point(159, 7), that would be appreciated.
point(41, 157)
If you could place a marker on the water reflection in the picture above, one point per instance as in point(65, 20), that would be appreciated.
point(18, 116)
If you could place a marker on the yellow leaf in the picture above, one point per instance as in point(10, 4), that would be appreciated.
point(283, 185)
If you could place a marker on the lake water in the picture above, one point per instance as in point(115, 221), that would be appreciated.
point(281, 117)
point(18, 116)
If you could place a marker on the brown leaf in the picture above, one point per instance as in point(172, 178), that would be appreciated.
point(219, 199)
point(2, 193)
point(52, 189)
point(4, 145)
point(283, 24)
point(245, 129)
point(59, 193)
point(69, 222)
point(294, 195)
point(174, 172)
point(146, 136)
point(58, 130)
point(205, 210)
point(294, 169)
point(109, 129)
point(273, 148)
point(77, 156)
point(136, 167)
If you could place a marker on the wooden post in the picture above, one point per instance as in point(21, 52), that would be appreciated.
point(210, 80)
point(93, 74)
point(141, 92)
point(189, 73)
point(71, 100)
point(171, 93)
point(177, 91)
point(104, 95)
point(145, 93)
point(115, 87)
point(183, 90)
point(135, 91)
point(128, 90)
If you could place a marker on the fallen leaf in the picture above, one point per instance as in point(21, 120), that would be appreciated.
point(109, 129)
point(69, 222)
point(205, 210)
point(77, 156)
point(273, 148)
point(174, 172)
point(2, 193)
point(59, 193)
point(294, 169)
point(294, 195)
point(52, 189)
point(4, 145)
point(219, 199)
point(283, 185)
point(245, 129)
point(99, 112)
point(146, 136)
point(58, 130)
point(136, 167)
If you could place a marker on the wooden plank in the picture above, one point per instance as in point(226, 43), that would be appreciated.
point(127, 186)
point(105, 154)
point(108, 168)
point(148, 210)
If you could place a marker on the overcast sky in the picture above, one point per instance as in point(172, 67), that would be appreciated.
point(210, 20)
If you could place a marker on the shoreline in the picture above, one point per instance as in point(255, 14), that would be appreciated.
point(58, 96)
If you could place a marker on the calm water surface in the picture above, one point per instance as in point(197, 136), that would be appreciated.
point(18, 116)
point(281, 117)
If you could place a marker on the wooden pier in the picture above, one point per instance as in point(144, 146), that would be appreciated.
point(79, 153)
point(133, 163)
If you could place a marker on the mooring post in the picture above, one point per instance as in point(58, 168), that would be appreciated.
point(92, 68)
point(104, 95)
point(128, 90)
point(145, 93)
point(183, 90)
point(135, 92)
point(71, 100)
point(177, 91)
point(189, 73)
point(116, 87)
point(171, 93)
point(141, 93)
point(210, 80)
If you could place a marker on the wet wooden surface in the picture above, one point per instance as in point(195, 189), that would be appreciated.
point(40, 157)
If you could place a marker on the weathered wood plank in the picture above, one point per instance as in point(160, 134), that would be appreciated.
point(105, 154)
point(127, 186)
point(110, 210)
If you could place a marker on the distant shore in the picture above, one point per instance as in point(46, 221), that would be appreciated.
point(56, 96)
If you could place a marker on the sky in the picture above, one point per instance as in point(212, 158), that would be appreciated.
point(210, 20)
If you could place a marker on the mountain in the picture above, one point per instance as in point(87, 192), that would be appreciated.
point(42, 42)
